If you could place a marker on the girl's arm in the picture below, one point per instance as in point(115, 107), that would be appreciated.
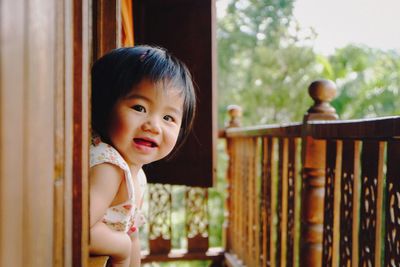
point(117, 245)
point(105, 180)
point(135, 250)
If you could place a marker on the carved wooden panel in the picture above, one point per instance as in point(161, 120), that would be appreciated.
point(197, 219)
point(331, 155)
point(371, 155)
point(252, 202)
point(347, 203)
point(282, 201)
point(392, 236)
point(265, 200)
point(292, 175)
point(160, 218)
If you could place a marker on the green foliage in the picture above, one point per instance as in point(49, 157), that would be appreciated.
point(261, 65)
point(265, 66)
point(368, 82)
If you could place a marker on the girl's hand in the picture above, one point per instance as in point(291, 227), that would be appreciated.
point(104, 241)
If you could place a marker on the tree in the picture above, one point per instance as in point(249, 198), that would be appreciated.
point(261, 66)
point(368, 81)
point(265, 66)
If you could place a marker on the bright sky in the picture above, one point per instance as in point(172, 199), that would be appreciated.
point(375, 23)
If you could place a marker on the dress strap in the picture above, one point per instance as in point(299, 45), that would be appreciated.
point(101, 152)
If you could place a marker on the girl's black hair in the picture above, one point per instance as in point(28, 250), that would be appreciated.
point(115, 74)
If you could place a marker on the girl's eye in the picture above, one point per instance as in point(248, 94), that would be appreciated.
point(139, 108)
point(169, 118)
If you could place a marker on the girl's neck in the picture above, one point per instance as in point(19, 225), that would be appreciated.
point(134, 169)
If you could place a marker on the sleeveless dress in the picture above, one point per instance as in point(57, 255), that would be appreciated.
point(125, 217)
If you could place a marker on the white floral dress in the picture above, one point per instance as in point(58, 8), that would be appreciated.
point(125, 217)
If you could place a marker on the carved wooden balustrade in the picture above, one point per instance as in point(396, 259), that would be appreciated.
point(362, 192)
point(161, 225)
point(319, 193)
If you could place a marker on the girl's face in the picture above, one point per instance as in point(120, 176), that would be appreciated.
point(144, 125)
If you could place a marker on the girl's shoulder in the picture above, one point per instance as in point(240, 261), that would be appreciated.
point(101, 152)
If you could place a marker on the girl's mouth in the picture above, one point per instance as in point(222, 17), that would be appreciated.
point(145, 142)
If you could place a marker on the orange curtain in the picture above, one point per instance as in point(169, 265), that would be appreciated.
point(127, 23)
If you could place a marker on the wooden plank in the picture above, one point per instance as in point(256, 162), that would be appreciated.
point(376, 128)
point(235, 196)
point(227, 226)
point(254, 200)
point(98, 261)
point(68, 80)
point(58, 247)
point(392, 212)
point(59, 134)
point(250, 201)
point(80, 170)
point(27, 146)
point(38, 139)
point(106, 30)
point(12, 89)
point(232, 195)
point(187, 29)
point(242, 235)
point(257, 202)
point(265, 202)
point(278, 130)
point(296, 200)
point(379, 203)
point(274, 197)
point(356, 202)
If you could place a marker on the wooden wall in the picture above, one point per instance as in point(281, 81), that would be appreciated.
point(44, 92)
point(46, 50)
point(187, 30)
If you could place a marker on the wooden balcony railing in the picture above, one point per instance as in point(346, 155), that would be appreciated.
point(319, 193)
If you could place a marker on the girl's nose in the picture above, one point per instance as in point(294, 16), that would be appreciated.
point(151, 125)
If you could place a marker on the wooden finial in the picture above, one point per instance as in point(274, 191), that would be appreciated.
point(322, 92)
point(235, 115)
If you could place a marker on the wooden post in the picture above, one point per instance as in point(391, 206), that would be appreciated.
point(235, 115)
point(313, 173)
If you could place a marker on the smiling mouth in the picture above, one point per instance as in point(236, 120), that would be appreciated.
point(145, 142)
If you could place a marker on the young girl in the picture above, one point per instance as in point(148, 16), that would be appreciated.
point(143, 103)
